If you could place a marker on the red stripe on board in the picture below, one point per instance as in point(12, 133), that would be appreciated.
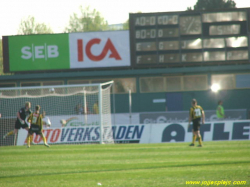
point(80, 50)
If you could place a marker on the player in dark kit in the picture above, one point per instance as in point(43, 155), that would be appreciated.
point(195, 115)
point(36, 120)
point(20, 121)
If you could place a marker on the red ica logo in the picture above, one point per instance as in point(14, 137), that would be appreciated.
point(109, 46)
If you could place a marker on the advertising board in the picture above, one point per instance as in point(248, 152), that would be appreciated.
point(51, 52)
point(145, 133)
point(182, 116)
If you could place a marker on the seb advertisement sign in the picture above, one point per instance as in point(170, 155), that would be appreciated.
point(36, 52)
point(147, 133)
point(66, 51)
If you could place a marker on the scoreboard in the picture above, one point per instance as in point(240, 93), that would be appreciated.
point(189, 38)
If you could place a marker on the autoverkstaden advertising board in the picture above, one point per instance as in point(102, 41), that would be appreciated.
point(66, 51)
point(143, 133)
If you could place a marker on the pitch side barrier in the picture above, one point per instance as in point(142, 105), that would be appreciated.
point(144, 133)
point(182, 116)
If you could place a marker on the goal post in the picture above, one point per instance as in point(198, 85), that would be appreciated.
point(79, 113)
point(105, 113)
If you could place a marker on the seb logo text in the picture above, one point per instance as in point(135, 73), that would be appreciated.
point(88, 51)
point(39, 52)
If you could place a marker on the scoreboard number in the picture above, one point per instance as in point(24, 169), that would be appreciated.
point(145, 20)
point(168, 32)
point(145, 33)
point(167, 20)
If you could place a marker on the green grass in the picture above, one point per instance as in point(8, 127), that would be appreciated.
point(124, 165)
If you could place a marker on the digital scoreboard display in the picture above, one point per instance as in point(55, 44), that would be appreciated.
point(165, 38)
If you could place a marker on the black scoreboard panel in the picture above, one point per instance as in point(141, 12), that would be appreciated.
point(184, 38)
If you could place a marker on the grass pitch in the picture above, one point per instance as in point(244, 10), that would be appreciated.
point(126, 165)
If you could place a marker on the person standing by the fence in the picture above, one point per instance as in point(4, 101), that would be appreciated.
point(220, 111)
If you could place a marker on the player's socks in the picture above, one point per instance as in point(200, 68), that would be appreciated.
point(45, 141)
point(194, 138)
point(200, 140)
point(10, 133)
point(7, 134)
point(28, 141)
point(31, 140)
point(27, 137)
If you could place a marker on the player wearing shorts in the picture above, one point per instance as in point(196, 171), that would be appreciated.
point(36, 125)
point(20, 121)
point(195, 114)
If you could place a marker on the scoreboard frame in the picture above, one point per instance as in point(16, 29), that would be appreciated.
point(189, 38)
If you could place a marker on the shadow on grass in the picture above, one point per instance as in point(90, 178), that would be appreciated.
point(127, 169)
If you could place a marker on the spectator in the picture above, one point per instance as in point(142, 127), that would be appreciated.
point(79, 109)
point(46, 120)
point(96, 108)
point(220, 111)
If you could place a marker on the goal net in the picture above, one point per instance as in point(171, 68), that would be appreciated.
point(77, 113)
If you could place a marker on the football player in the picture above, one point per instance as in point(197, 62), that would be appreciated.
point(195, 115)
point(36, 120)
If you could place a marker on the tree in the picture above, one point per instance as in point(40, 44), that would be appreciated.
point(29, 26)
point(213, 4)
point(88, 20)
point(126, 25)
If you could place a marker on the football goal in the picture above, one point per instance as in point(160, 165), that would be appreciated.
point(78, 113)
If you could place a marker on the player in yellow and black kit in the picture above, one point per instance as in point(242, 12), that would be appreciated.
point(195, 114)
point(36, 125)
